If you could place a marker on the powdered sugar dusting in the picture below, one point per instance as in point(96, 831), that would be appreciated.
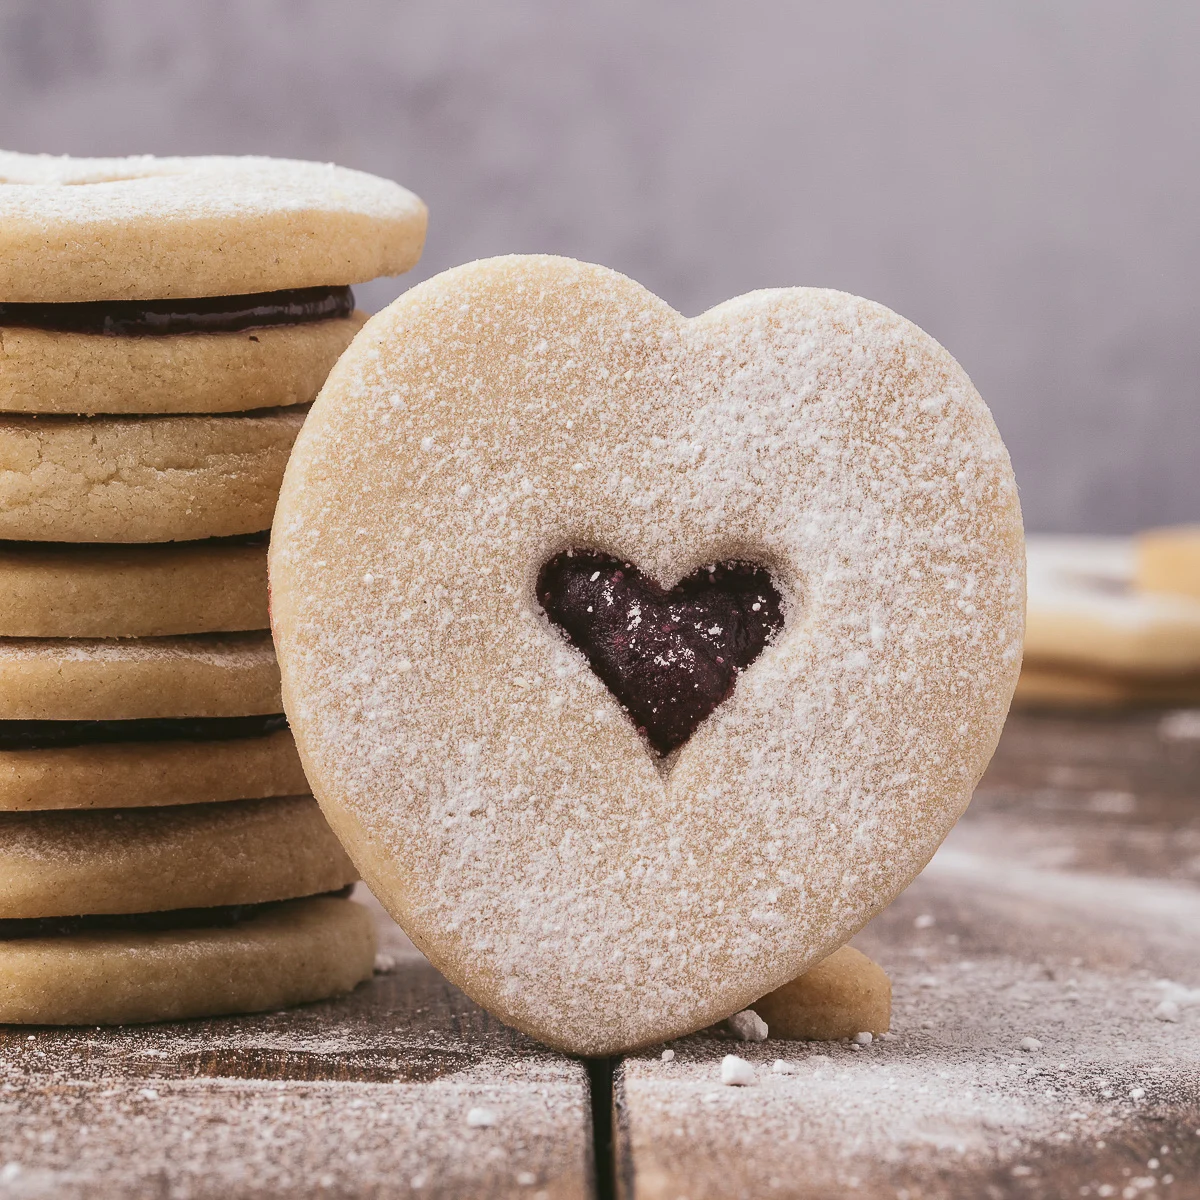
point(47, 188)
point(488, 785)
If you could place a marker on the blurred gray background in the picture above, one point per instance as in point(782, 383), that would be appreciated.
point(1020, 178)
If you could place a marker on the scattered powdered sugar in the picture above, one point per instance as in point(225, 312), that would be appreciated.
point(489, 786)
point(951, 1097)
point(736, 1072)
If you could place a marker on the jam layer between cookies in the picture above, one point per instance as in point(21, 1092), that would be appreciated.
point(670, 657)
point(57, 735)
point(220, 916)
point(207, 314)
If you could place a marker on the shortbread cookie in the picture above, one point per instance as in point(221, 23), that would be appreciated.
point(133, 774)
point(156, 228)
point(142, 479)
point(91, 679)
point(842, 995)
point(497, 796)
point(1053, 685)
point(145, 859)
point(1168, 560)
point(46, 371)
point(51, 590)
point(286, 953)
point(1085, 613)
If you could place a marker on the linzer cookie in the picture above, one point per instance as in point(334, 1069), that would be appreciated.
point(164, 324)
point(639, 661)
point(116, 366)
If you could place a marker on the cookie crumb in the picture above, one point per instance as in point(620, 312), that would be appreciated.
point(747, 1026)
point(863, 1039)
point(668, 1056)
point(736, 1072)
point(481, 1118)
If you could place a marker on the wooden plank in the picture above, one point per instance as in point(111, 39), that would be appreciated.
point(367, 1096)
point(1064, 908)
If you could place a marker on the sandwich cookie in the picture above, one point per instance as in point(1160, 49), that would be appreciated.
point(52, 370)
point(142, 479)
point(56, 864)
point(639, 661)
point(199, 964)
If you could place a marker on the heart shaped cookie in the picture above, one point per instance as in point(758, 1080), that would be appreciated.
point(514, 813)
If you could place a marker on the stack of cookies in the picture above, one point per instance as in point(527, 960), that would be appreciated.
point(164, 324)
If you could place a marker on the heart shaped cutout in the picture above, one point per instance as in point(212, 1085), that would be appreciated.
point(488, 785)
point(669, 657)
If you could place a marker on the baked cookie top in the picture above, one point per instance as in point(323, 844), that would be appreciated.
point(159, 228)
point(491, 788)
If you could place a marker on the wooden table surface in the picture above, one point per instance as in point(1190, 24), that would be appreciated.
point(1065, 908)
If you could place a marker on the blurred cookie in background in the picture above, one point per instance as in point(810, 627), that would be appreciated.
point(1109, 623)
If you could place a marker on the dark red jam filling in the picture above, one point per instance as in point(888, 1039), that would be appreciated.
point(206, 314)
point(235, 539)
point(151, 922)
point(57, 735)
point(669, 657)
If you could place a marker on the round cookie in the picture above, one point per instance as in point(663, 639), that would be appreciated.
point(56, 864)
point(85, 679)
point(146, 774)
point(44, 371)
point(52, 590)
point(488, 785)
point(158, 228)
point(842, 995)
point(142, 479)
point(290, 953)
